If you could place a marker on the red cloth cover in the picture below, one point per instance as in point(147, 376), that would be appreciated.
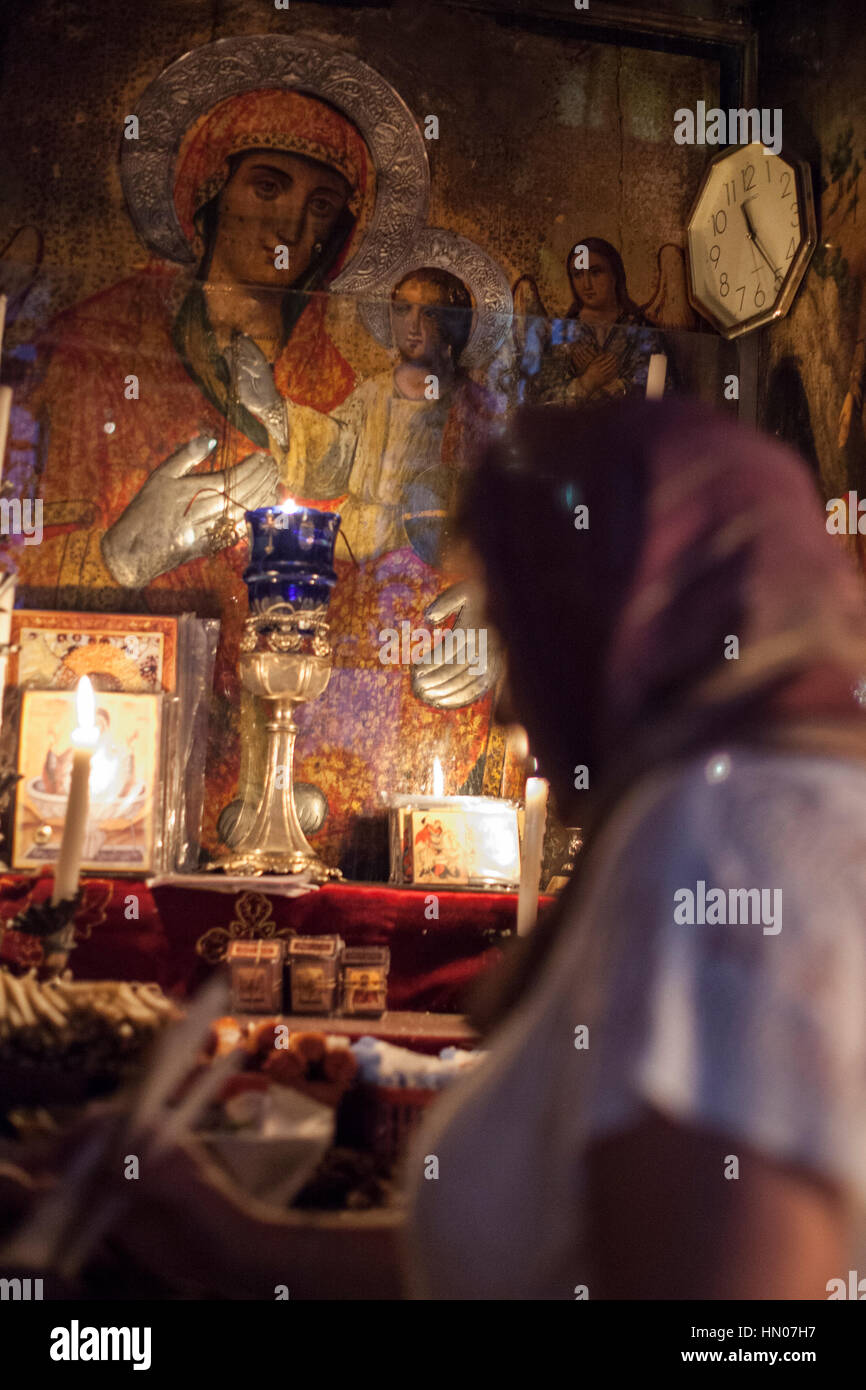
point(176, 935)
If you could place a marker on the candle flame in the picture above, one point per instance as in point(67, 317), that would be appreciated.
point(289, 506)
point(438, 778)
point(85, 706)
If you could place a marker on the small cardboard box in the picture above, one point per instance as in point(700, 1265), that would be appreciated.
point(256, 976)
point(364, 980)
point(314, 964)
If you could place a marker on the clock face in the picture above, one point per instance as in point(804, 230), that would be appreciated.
point(751, 233)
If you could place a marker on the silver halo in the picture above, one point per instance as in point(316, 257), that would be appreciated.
point(204, 77)
point(484, 279)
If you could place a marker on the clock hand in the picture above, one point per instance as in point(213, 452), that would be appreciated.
point(754, 238)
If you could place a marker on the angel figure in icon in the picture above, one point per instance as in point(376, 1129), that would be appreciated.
point(601, 347)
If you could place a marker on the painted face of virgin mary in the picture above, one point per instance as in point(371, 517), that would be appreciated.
point(274, 199)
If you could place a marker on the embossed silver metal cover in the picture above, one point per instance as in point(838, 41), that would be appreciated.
point(484, 279)
point(205, 76)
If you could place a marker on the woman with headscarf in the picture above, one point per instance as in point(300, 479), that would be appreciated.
point(672, 1105)
point(601, 348)
point(674, 1100)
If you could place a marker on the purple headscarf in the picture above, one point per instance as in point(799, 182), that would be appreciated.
point(702, 603)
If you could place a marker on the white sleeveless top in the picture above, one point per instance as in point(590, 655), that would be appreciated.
point(751, 1024)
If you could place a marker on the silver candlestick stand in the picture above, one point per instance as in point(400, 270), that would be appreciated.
point(285, 660)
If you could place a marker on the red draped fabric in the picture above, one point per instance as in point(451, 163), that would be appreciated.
point(180, 934)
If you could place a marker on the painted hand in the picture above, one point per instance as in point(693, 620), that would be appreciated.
point(257, 390)
point(603, 370)
point(474, 661)
point(171, 520)
point(582, 356)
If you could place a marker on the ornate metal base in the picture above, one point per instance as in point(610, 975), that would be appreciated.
point(256, 863)
point(285, 660)
point(54, 926)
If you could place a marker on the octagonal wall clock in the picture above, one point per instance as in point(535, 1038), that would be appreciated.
point(751, 234)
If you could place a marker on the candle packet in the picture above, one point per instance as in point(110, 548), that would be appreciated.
point(256, 976)
point(314, 963)
point(454, 842)
point(364, 980)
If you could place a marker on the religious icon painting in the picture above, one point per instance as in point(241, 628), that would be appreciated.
point(116, 651)
point(441, 849)
point(122, 828)
point(472, 842)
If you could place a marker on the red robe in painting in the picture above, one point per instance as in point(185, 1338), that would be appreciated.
point(367, 735)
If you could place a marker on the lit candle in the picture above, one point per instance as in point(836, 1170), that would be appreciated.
point(291, 556)
point(485, 828)
point(84, 739)
point(655, 377)
point(7, 603)
point(533, 845)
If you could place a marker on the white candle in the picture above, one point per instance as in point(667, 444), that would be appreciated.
point(533, 846)
point(438, 778)
point(655, 377)
point(7, 603)
point(5, 409)
point(85, 738)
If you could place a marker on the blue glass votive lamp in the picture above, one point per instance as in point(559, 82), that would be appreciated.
point(291, 556)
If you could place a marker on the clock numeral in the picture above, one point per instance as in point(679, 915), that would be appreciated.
point(748, 178)
point(715, 252)
point(778, 280)
point(791, 249)
point(795, 217)
point(724, 287)
point(741, 291)
point(720, 222)
point(786, 182)
point(760, 299)
point(731, 191)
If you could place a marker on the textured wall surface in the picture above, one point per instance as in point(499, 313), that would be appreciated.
point(812, 62)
